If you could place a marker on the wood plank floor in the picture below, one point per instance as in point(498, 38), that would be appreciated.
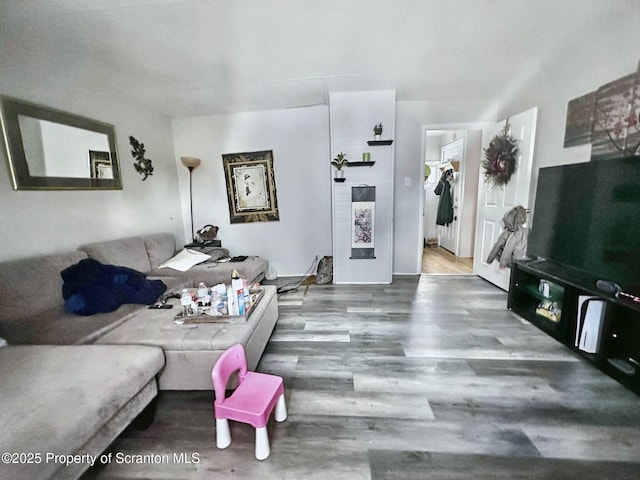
point(428, 378)
point(437, 260)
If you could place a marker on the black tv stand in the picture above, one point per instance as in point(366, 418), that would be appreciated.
point(555, 310)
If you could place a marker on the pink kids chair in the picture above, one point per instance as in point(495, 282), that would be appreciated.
point(251, 402)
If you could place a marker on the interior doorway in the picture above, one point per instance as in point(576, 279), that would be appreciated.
point(448, 249)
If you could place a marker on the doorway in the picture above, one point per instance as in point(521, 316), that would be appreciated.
point(449, 249)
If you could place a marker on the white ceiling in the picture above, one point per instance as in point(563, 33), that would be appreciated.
point(201, 57)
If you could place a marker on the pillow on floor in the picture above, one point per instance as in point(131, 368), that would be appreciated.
point(185, 259)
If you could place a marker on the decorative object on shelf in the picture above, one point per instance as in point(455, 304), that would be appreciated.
point(191, 163)
point(377, 131)
point(549, 310)
point(366, 156)
point(142, 165)
point(208, 233)
point(251, 187)
point(500, 160)
point(339, 162)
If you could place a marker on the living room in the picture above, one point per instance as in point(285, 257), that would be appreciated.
point(101, 62)
point(70, 79)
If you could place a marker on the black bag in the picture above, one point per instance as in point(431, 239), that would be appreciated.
point(324, 273)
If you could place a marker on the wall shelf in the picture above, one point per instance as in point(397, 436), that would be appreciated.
point(375, 143)
point(339, 180)
point(360, 164)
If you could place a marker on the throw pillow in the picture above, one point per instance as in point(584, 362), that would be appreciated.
point(184, 260)
point(3, 342)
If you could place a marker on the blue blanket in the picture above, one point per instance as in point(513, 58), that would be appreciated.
point(92, 287)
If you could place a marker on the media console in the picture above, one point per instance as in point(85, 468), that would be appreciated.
point(565, 303)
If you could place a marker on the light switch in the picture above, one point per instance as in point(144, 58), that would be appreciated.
point(407, 181)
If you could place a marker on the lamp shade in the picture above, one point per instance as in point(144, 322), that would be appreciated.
point(190, 162)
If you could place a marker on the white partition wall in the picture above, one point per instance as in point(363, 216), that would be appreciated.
point(352, 118)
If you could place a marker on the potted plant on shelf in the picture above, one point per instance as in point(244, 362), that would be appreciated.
point(339, 162)
point(377, 131)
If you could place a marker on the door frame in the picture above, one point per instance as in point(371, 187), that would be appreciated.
point(483, 126)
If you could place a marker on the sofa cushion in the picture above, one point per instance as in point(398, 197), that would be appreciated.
point(126, 252)
point(212, 273)
point(160, 248)
point(57, 327)
point(70, 400)
point(33, 285)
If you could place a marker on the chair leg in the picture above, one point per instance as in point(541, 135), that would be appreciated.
point(223, 435)
point(262, 443)
point(281, 409)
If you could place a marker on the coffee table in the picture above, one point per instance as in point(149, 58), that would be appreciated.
point(191, 349)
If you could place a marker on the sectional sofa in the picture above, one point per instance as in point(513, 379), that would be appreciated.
point(68, 391)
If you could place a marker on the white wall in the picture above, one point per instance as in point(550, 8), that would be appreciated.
point(42, 222)
point(578, 66)
point(299, 139)
point(411, 118)
point(353, 115)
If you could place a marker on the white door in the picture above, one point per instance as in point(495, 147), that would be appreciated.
point(448, 235)
point(493, 203)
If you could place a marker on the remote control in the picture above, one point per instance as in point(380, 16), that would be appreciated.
point(161, 306)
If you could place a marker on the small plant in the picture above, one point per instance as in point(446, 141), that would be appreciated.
point(377, 129)
point(339, 161)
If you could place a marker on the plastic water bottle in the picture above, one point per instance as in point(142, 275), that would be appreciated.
point(185, 302)
point(232, 306)
point(203, 295)
point(223, 307)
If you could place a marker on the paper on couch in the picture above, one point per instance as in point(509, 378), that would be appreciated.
point(185, 259)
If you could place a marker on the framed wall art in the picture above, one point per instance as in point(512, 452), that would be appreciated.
point(251, 187)
point(363, 212)
point(100, 164)
point(607, 118)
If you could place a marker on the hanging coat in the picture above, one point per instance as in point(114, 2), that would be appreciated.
point(444, 214)
point(512, 242)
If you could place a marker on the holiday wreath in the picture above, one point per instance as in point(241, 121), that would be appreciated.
point(500, 159)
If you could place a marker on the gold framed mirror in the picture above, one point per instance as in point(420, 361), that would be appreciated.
point(49, 149)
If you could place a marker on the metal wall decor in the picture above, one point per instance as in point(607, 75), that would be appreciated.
point(144, 166)
point(363, 209)
point(251, 187)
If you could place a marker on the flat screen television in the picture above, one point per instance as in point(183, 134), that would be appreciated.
point(587, 216)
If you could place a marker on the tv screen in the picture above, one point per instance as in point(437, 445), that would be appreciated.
point(587, 215)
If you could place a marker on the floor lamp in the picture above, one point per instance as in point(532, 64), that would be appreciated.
point(191, 163)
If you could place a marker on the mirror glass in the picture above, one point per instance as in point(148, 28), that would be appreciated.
point(51, 149)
